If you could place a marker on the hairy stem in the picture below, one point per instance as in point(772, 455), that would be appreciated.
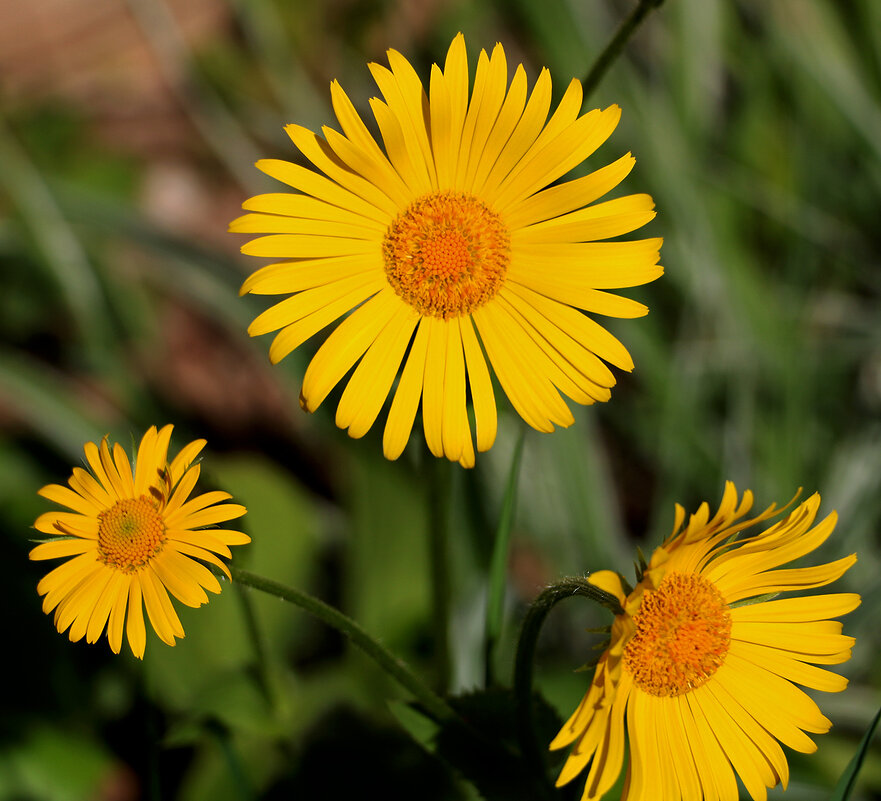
point(523, 662)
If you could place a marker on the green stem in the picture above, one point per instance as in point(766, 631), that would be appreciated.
point(439, 558)
point(239, 778)
point(616, 45)
point(498, 569)
point(433, 704)
point(258, 644)
point(523, 662)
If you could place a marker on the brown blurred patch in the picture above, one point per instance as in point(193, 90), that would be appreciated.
point(200, 367)
point(93, 54)
point(528, 569)
point(94, 57)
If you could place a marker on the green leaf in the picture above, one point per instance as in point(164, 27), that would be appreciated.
point(486, 752)
point(421, 728)
point(848, 779)
point(499, 563)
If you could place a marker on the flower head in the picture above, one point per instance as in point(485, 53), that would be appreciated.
point(454, 250)
point(701, 667)
point(133, 537)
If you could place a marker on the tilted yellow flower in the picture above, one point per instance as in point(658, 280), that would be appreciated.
point(133, 536)
point(453, 249)
point(702, 678)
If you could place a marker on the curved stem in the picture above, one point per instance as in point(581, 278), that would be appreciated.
point(529, 631)
point(433, 704)
point(616, 45)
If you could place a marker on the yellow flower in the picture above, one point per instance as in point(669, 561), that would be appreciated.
point(702, 677)
point(453, 248)
point(134, 537)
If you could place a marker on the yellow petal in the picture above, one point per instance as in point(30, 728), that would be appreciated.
point(135, 630)
point(346, 345)
point(116, 589)
point(482, 396)
point(372, 380)
point(320, 154)
point(433, 387)
point(321, 188)
point(406, 400)
point(569, 195)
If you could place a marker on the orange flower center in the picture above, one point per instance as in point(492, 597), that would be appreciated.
point(683, 630)
point(130, 534)
point(446, 254)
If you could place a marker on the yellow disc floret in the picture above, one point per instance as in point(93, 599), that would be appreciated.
point(130, 533)
point(446, 254)
point(683, 631)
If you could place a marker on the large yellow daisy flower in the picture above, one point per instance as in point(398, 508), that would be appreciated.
point(134, 537)
point(453, 249)
point(701, 677)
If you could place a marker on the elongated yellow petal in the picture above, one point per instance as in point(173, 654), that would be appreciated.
point(112, 595)
point(320, 154)
point(60, 548)
point(306, 207)
point(570, 195)
point(295, 333)
point(406, 401)
point(373, 377)
point(346, 345)
point(134, 627)
point(455, 427)
point(433, 387)
point(68, 498)
point(321, 188)
point(482, 394)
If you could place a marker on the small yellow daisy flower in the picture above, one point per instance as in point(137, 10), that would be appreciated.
point(453, 249)
point(701, 678)
point(134, 537)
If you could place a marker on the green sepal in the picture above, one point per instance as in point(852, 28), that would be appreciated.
point(758, 599)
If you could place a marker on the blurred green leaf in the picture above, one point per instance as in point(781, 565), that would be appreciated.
point(846, 783)
point(50, 764)
point(46, 400)
point(498, 569)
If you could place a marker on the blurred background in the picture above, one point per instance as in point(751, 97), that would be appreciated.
point(128, 131)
